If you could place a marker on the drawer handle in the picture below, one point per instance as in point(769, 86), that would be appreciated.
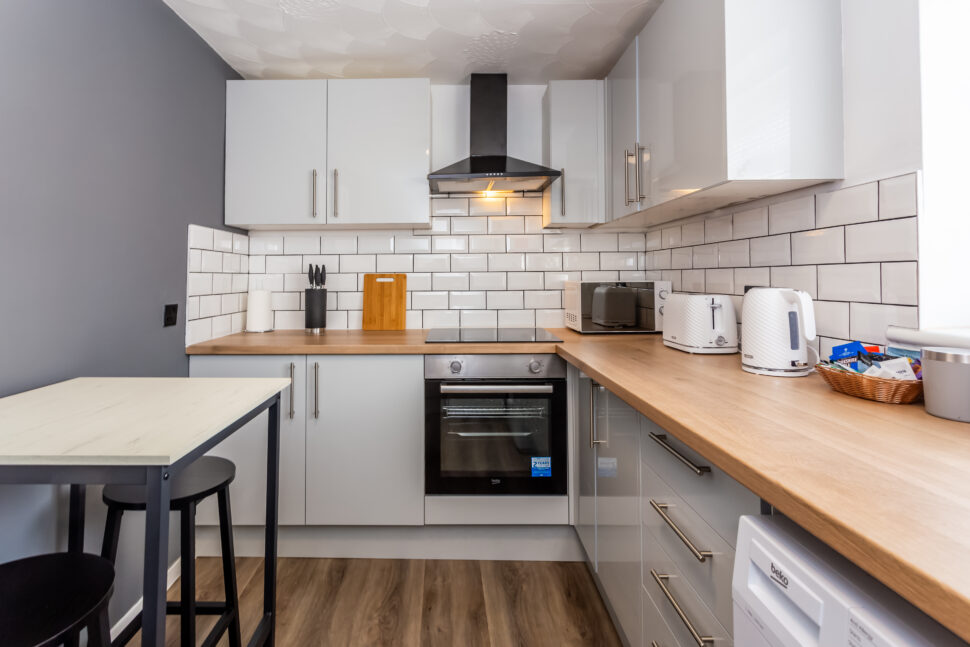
point(661, 509)
point(661, 581)
point(292, 389)
point(661, 439)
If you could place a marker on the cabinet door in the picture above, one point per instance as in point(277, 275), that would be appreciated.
point(586, 514)
point(276, 152)
point(379, 151)
point(247, 447)
point(682, 100)
point(365, 440)
point(617, 509)
point(622, 87)
point(577, 144)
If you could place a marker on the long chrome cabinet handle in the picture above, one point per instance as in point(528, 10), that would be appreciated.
point(593, 386)
point(661, 580)
point(626, 178)
point(497, 388)
point(562, 191)
point(661, 439)
point(314, 196)
point(316, 389)
point(638, 149)
point(292, 388)
point(335, 193)
point(661, 509)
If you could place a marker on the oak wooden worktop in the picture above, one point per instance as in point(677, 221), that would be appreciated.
point(888, 486)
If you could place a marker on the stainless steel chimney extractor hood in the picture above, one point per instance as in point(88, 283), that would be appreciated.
point(489, 168)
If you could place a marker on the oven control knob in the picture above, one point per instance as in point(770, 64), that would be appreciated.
point(535, 366)
point(455, 367)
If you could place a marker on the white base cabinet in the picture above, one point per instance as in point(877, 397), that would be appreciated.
point(351, 440)
point(365, 440)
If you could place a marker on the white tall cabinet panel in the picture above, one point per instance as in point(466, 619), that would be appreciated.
point(247, 447)
point(586, 512)
point(618, 508)
point(575, 143)
point(621, 86)
point(365, 440)
point(276, 138)
point(379, 151)
point(681, 99)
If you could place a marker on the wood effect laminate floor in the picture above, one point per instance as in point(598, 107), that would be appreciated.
point(426, 603)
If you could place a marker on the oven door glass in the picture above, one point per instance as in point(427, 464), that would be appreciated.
point(502, 442)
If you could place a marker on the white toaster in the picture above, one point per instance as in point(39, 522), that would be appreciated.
point(701, 323)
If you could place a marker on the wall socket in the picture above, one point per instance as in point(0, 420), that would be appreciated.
point(171, 315)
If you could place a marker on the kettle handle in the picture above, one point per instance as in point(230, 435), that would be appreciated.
point(807, 313)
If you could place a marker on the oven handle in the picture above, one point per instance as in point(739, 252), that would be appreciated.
point(496, 388)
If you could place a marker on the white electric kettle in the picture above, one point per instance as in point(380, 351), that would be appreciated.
point(776, 326)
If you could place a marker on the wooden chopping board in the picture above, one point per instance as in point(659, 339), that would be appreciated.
point(385, 301)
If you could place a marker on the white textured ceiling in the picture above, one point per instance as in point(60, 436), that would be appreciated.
point(532, 40)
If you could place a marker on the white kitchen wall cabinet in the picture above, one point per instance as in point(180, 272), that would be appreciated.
point(379, 152)
point(315, 153)
point(735, 101)
point(276, 153)
point(247, 447)
point(621, 85)
point(365, 440)
point(575, 142)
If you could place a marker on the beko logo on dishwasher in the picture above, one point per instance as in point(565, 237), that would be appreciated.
point(778, 575)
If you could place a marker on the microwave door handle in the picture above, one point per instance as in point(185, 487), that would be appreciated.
point(496, 388)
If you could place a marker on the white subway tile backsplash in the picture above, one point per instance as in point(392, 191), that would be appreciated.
point(449, 281)
point(511, 300)
point(661, 260)
point(524, 206)
point(670, 237)
point(257, 264)
point(413, 319)
point(432, 263)
point(506, 225)
point(599, 242)
point(524, 243)
point(733, 254)
point(211, 261)
point(750, 223)
point(486, 207)
point(543, 262)
point(479, 319)
point(200, 237)
point(561, 243)
point(301, 243)
point(449, 207)
point(704, 256)
point(692, 280)
point(719, 281)
point(599, 275)
point(526, 281)
point(296, 282)
point(487, 244)
point(338, 244)
point(669, 275)
point(516, 318)
point(210, 305)
point(284, 264)
point(449, 244)
point(487, 281)
point(551, 318)
point(797, 277)
point(899, 283)
point(350, 301)
point(887, 240)
point(544, 299)
point(852, 282)
point(195, 260)
point(845, 206)
point(198, 330)
point(751, 276)
point(192, 308)
point(469, 225)
point(717, 229)
point(630, 243)
point(395, 262)
point(506, 262)
point(337, 320)
point(897, 197)
point(419, 281)
point(793, 215)
point(680, 258)
point(555, 280)
point(654, 239)
point(221, 240)
point(533, 224)
point(232, 263)
point(375, 244)
point(294, 320)
point(412, 244)
point(580, 261)
point(240, 244)
point(441, 318)
point(440, 226)
point(772, 250)
point(287, 300)
point(692, 233)
point(271, 282)
point(868, 322)
point(469, 262)
point(832, 318)
point(358, 263)
point(618, 261)
point(199, 283)
point(267, 244)
point(341, 282)
point(818, 246)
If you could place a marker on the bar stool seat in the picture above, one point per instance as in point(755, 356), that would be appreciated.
point(47, 599)
point(206, 476)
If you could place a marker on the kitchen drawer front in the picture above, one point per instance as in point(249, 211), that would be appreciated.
point(656, 633)
point(696, 612)
point(717, 497)
point(710, 579)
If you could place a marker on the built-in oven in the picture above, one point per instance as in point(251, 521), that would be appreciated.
point(495, 425)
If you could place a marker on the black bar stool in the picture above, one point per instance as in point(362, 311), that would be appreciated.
point(48, 599)
point(206, 476)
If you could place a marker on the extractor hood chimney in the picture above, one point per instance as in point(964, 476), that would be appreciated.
point(489, 169)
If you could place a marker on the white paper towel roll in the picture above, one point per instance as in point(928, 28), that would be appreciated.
point(259, 314)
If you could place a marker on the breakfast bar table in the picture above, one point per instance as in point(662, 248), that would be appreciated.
point(140, 431)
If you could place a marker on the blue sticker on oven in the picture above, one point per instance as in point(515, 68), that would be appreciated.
point(542, 466)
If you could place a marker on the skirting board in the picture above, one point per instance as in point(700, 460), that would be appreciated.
point(529, 543)
point(173, 574)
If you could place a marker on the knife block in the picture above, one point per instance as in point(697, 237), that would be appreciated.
point(316, 310)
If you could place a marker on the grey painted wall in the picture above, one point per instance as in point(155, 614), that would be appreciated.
point(111, 142)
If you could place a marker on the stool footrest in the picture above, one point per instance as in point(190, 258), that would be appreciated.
point(175, 608)
point(201, 608)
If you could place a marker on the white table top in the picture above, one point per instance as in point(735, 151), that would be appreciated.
point(124, 421)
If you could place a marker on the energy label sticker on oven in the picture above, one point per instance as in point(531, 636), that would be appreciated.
point(542, 466)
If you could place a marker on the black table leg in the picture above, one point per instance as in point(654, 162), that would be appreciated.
point(75, 524)
point(272, 520)
point(158, 491)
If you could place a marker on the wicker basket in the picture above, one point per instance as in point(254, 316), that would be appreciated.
point(872, 388)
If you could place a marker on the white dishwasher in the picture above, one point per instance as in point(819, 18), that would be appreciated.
point(791, 590)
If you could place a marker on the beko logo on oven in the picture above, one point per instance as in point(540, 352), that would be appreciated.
point(779, 576)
